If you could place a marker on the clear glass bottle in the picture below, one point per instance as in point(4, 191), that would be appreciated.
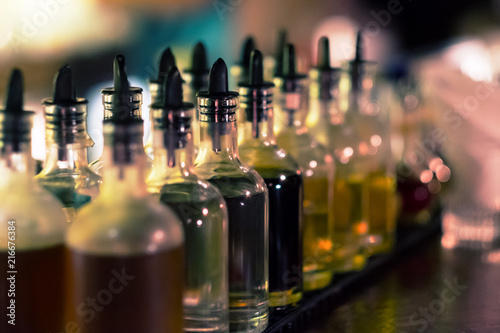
point(318, 171)
point(239, 73)
point(200, 207)
point(135, 99)
point(127, 249)
point(326, 124)
point(167, 61)
point(284, 184)
point(67, 174)
point(195, 80)
point(420, 172)
point(32, 228)
point(274, 68)
point(245, 194)
point(366, 153)
point(324, 118)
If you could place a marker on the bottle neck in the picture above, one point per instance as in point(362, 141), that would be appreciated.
point(259, 127)
point(218, 141)
point(16, 161)
point(323, 95)
point(356, 88)
point(66, 156)
point(193, 83)
point(125, 161)
point(256, 103)
point(291, 111)
point(324, 111)
point(176, 160)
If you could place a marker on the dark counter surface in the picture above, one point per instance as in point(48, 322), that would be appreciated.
point(428, 289)
point(421, 286)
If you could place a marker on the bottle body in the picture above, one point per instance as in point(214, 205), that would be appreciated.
point(382, 207)
point(140, 245)
point(350, 215)
point(418, 198)
point(132, 275)
point(365, 149)
point(127, 248)
point(32, 250)
point(246, 199)
point(285, 190)
point(203, 213)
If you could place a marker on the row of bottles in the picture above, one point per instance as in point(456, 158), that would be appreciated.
point(226, 215)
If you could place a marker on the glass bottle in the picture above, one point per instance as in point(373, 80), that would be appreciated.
point(324, 118)
point(32, 228)
point(326, 124)
point(67, 174)
point(318, 171)
point(240, 73)
point(127, 249)
point(245, 194)
point(135, 99)
point(167, 61)
point(284, 184)
point(196, 79)
point(274, 68)
point(200, 207)
point(420, 171)
point(366, 154)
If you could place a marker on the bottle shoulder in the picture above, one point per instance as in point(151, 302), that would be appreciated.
point(98, 165)
point(125, 225)
point(36, 215)
point(304, 148)
point(192, 189)
point(269, 157)
point(232, 179)
point(74, 188)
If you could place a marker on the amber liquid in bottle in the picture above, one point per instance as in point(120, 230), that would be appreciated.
point(32, 313)
point(120, 288)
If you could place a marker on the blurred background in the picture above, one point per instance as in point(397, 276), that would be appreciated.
point(39, 36)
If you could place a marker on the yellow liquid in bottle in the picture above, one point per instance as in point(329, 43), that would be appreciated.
point(381, 212)
point(351, 225)
point(318, 234)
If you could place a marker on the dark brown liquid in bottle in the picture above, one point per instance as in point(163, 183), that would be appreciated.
point(38, 288)
point(141, 293)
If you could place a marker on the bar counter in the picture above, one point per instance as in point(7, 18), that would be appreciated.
point(420, 287)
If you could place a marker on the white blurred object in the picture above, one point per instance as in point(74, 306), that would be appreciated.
point(42, 28)
point(458, 84)
point(473, 59)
